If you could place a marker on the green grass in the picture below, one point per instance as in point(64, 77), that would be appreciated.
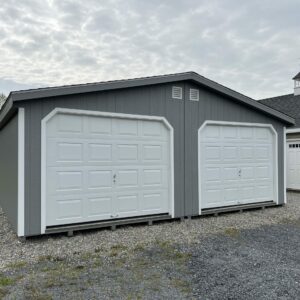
point(232, 232)
point(51, 258)
point(17, 265)
point(115, 250)
point(181, 285)
point(6, 281)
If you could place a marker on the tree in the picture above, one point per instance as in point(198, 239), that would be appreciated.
point(2, 99)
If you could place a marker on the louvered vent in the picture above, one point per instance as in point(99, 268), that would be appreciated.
point(177, 92)
point(194, 95)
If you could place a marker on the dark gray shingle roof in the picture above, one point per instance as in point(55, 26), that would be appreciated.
point(42, 93)
point(288, 104)
point(297, 76)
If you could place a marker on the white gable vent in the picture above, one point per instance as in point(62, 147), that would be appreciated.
point(194, 94)
point(177, 92)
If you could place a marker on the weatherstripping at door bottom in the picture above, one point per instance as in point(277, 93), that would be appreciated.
point(108, 223)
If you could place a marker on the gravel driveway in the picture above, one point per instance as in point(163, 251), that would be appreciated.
point(252, 255)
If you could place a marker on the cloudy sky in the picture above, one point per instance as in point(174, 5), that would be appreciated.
point(250, 46)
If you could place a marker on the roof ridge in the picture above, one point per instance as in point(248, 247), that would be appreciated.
point(142, 81)
point(104, 82)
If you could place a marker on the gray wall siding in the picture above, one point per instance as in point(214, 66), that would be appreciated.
point(9, 171)
point(185, 117)
point(211, 106)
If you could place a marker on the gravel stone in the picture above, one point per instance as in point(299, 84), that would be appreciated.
point(249, 255)
point(13, 249)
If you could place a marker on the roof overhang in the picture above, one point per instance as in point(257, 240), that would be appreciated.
point(121, 84)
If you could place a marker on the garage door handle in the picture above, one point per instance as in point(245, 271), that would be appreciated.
point(240, 172)
point(114, 216)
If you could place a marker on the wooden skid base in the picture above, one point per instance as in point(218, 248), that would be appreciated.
point(237, 208)
point(69, 229)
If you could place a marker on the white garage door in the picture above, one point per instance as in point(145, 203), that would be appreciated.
point(293, 165)
point(100, 168)
point(236, 165)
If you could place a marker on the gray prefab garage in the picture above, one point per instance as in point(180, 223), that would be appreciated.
point(110, 153)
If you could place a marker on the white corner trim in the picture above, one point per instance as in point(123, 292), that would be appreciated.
point(21, 172)
point(55, 111)
point(295, 130)
point(275, 169)
point(284, 164)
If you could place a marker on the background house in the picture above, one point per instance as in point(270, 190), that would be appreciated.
point(290, 105)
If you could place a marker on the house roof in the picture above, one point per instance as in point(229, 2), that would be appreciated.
point(119, 84)
point(288, 104)
point(297, 76)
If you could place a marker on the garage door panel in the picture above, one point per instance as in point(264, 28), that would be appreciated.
point(152, 202)
point(262, 152)
point(213, 174)
point(212, 153)
point(64, 182)
point(127, 178)
point(69, 181)
point(247, 192)
point(246, 152)
point(263, 134)
point(231, 195)
point(99, 179)
point(127, 152)
point(230, 152)
point(66, 209)
point(100, 207)
point(247, 173)
point(127, 127)
point(67, 152)
point(236, 165)
point(152, 152)
point(152, 177)
point(263, 172)
point(263, 191)
point(230, 173)
point(99, 126)
point(212, 132)
point(246, 133)
point(100, 152)
point(106, 168)
point(127, 204)
point(151, 129)
point(230, 132)
point(213, 197)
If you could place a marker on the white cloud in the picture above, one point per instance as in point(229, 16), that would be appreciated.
point(252, 47)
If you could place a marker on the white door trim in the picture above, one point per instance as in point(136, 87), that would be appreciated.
point(275, 168)
point(21, 172)
point(284, 164)
point(104, 114)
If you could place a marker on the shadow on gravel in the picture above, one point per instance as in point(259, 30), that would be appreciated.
point(262, 263)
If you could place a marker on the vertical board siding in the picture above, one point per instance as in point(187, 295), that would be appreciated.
point(184, 115)
point(9, 171)
point(212, 106)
